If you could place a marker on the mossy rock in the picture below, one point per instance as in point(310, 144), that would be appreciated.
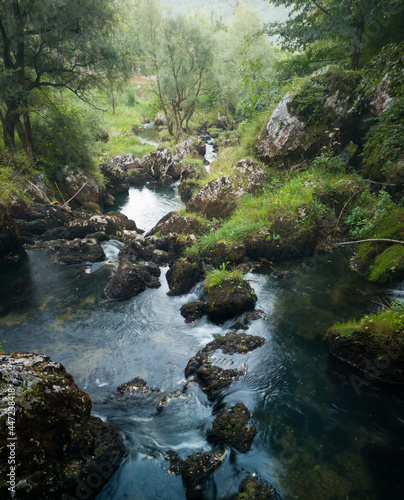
point(232, 429)
point(183, 275)
point(389, 265)
point(229, 299)
point(252, 488)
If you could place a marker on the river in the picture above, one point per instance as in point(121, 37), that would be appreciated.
point(320, 436)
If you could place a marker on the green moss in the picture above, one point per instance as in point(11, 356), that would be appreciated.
point(389, 265)
point(378, 331)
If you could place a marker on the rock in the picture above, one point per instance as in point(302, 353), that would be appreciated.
point(183, 276)
point(38, 191)
point(116, 178)
point(80, 186)
point(231, 343)
point(136, 247)
point(78, 251)
point(160, 120)
point(298, 128)
point(215, 200)
point(180, 224)
point(108, 200)
point(229, 299)
point(80, 228)
point(213, 380)
point(232, 429)
point(219, 197)
point(191, 174)
point(193, 311)
point(224, 252)
point(195, 471)
point(60, 450)
point(160, 257)
point(134, 386)
point(37, 220)
point(160, 164)
point(127, 223)
point(192, 147)
point(252, 488)
point(11, 248)
point(129, 281)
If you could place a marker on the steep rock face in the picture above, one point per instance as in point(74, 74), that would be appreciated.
point(59, 448)
point(300, 125)
point(11, 249)
point(218, 198)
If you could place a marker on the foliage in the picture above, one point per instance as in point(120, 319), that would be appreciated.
point(370, 212)
point(15, 171)
point(51, 44)
point(389, 265)
point(384, 143)
point(215, 277)
point(346, 25)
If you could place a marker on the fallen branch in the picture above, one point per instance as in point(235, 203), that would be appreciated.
point(365, 241)
point(72, 198)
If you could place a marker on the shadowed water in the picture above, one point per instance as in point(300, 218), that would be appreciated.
point(319, 437)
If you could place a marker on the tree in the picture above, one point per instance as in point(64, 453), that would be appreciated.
point(49, 44)
point(347, 24)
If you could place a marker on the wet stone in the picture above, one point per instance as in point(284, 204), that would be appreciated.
point(257, 489)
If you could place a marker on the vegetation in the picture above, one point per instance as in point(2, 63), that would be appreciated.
point(215, 277)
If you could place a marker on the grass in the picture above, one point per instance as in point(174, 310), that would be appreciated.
point(376, 330)
point(284, 200)
point(215, 277)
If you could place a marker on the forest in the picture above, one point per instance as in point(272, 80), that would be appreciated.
point(202, 177)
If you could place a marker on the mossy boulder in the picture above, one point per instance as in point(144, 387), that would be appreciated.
point(373, 345)
point(214, 380)
point(195, 471)
point(60, 450)
point(232, 428)
point(193, 311)
point(229, 299)
point(389, 265)
point(299, 127)
point(253, 488)
point(183, 275)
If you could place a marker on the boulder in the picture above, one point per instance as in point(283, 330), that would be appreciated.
point(116, 178)
point(161, 166)
point(257, 489)
point(191, 174)
point(193, 311)
point(192, 147)
point(183, 275)
point(80, 186)
point(11, 248)
point(35, 220)
point(78, 251)
point(195, 471)
point(179, 224)
point(108, 224)
point(231, 343)
point(130, 280)
point(60, 450)
point(299, 127)
point(229, 299)
point(216, 200)
point(232, 428)
point(214, 380)
point(219, 197)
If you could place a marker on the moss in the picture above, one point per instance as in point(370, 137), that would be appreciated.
point(389, 265)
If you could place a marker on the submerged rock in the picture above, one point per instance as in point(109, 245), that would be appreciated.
point(232, 429)
point(195, 471)
point(232, 342)
point(78, 251)
point(229, 299)
point(252, 488)
point(60, 449)
point(130, 280)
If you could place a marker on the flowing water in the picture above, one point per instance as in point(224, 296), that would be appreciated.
point(321, 435)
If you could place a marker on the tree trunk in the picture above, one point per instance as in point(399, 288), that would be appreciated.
point(9, 125)
point(359, 27)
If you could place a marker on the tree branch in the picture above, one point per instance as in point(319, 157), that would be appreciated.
point(371, 239)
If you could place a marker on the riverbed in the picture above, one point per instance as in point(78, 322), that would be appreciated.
point(321, 434)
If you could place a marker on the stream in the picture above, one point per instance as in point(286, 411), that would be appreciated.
point(319, 435)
